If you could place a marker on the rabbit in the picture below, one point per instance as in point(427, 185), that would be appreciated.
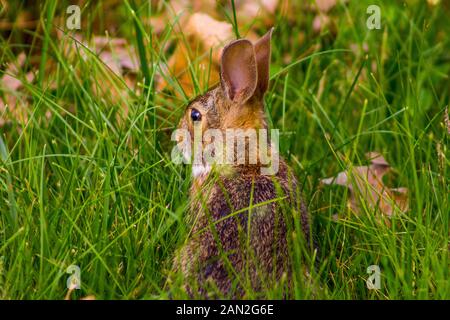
point(222, 246)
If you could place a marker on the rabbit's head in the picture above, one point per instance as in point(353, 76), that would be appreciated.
point(235, 103)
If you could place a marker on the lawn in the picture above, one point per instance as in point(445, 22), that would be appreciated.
point(86, 174)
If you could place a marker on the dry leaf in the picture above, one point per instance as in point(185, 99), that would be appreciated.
point(120, 58)
point(185, 8)
point(10, 79)
point(365, 185)
point(116, 54)
point(112, 56)
point(203, 33)
point(201, 37)
point(209, 32)
point(325, 5)
point(157, 23)
point(320, 22)
point(11, 84)
point(248, 11)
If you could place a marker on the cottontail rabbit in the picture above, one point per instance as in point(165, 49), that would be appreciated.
point(229, 237)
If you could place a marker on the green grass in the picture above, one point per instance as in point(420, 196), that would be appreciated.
point(94, 186)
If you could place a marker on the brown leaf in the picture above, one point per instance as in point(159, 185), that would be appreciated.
point(248, 11)
point(320, 22)
point(203, 33)
point(187, 7)
point(325, 5)
point(10, 105)
point(366, 187)
point(10, 79)
point(116, 54)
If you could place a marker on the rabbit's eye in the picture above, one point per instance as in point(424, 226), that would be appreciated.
point(196, 115)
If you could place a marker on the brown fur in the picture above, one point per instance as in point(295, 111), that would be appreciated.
point(221, 247)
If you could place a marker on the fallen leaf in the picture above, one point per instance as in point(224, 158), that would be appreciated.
point(202, 34)
point(367, 188)
point(320, 22)
point(117, 54)
point(11, 85)
point(325, 5)
point(118, 57)
point(209, 32)
point(248, 11)
point(187, 7)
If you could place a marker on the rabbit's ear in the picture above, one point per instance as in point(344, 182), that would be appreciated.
point(262, 53)
point(238, 72)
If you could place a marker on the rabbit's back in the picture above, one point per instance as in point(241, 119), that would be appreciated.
point(239, 226)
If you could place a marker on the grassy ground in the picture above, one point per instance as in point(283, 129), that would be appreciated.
point(94, 186)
